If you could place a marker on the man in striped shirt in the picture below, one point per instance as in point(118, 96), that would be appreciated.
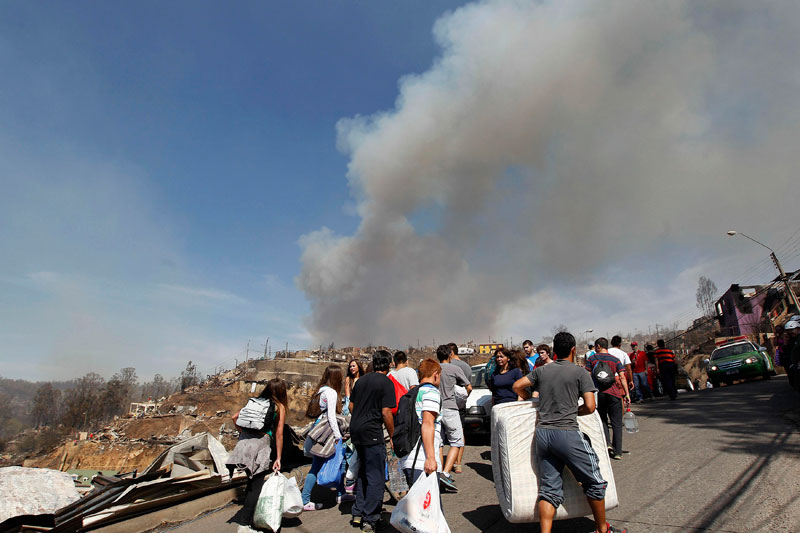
point(667, 369)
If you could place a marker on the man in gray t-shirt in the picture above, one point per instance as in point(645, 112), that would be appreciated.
point(451, 376)
point(560, 385)
point(452, 429)
point(462, 411)
point(557, 441)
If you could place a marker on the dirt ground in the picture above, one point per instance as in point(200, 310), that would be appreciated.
point(100, 455)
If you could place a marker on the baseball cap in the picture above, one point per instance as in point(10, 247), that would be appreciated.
point(634, 343)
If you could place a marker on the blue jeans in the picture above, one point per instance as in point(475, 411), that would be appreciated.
point(311, 478)
point(642, 389)
point(371, 481)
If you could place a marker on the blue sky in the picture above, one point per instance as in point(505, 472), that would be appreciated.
point(185, 144)
point(180, 178)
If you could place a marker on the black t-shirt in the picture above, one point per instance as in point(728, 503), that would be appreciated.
point(371, 393)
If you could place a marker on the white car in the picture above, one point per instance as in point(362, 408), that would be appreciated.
point(479, 404)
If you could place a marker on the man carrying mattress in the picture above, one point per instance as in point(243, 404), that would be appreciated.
point(559, 442)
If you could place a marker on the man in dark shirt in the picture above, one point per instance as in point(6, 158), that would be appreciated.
point(371, 403)
point(667, 369)
point(559, 441)
point(610, 401)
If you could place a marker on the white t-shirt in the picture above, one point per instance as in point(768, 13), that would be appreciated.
point(406, 376)
point(428, 399)
point(624, 358)
point(327, 403)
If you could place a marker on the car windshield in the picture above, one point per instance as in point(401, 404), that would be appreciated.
point(728, 351)
point(477, 378)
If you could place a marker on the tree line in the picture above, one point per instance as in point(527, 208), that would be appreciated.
point(83, 404)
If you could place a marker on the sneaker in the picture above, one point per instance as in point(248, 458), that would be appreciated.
point(447, 482)
point(351, 488)
point(381, 523)
point(356, 521)
point(612, 529)
point(345, 498)
point(456, 468)
point(616, 456)
point(311, 506)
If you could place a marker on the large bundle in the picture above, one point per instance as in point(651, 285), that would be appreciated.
point(514, 465)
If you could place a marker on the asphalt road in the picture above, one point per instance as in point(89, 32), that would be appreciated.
point(724, 459)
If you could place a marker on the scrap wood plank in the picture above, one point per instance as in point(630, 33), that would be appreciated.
point(124, 514)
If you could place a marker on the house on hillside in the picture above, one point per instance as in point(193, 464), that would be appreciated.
point(753, 309)
point(489, 348)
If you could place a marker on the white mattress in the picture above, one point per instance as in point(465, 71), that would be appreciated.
point(514, 468)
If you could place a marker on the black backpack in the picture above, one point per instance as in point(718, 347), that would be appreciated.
point(407, 429)
point(603, 375)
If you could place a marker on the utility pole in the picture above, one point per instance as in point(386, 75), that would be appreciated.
point(265, 348)
point(785, 279)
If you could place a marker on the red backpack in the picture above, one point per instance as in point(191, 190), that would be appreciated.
point(399, 391)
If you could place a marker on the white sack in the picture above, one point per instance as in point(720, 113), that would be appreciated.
point(292, 498)
point(269, 507)
point(514, 468)
point(419, 511)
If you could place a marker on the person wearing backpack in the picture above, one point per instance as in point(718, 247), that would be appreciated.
point(421, 423)
point(324, 405)
point(609, 376)
point(252, 451)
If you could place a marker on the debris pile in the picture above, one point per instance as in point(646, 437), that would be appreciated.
point(190, 471)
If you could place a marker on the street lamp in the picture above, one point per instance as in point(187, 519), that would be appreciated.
point(783, 276)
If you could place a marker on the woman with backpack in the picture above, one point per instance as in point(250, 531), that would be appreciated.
point(252, 452)
point(506, 373)
point(325, 404)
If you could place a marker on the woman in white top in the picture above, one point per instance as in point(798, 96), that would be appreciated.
point(328, 395)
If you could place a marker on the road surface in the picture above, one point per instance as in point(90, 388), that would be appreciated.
point(724, 459)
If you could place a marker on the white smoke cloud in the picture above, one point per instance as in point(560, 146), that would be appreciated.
point(545, 138)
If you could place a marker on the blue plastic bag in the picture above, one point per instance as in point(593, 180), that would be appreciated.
point(331, 470)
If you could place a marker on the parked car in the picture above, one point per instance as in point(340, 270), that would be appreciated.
point(738, 358)
point(479, 404)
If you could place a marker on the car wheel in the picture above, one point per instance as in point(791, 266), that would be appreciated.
point(767, 375)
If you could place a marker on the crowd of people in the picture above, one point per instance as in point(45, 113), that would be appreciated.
point(358, 408)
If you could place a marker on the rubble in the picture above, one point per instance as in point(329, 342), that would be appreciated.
point(192, 469)
point(21, 494)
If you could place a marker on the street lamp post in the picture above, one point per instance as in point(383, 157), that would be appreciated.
point(783, 276)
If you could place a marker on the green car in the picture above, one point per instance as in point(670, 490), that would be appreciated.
point(738, 359)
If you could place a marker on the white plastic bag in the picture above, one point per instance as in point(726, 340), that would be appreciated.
point(352, 467)
point(420, 510)
point(460, 395)
point(292, 499)
point(270, 503)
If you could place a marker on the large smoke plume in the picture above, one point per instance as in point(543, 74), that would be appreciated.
point(545, 137)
